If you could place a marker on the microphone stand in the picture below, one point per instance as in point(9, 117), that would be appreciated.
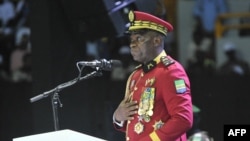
point(54, 93)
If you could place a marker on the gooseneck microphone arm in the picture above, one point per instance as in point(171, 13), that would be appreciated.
point(64, 85)
point(55, 101)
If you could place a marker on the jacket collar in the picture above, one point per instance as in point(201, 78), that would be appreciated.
point(153, 63)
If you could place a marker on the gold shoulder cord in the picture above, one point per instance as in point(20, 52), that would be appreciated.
point(128, 84)
point(127, 95)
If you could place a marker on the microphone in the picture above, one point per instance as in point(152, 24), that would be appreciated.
point(102, 64)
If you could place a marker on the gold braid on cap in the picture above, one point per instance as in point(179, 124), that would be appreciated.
point(145, 24)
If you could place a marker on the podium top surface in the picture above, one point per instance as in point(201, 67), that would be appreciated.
point(61, 135)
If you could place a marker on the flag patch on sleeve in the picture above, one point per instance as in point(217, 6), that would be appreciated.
point(180, 86)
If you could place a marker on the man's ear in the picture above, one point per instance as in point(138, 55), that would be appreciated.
point(157, 41)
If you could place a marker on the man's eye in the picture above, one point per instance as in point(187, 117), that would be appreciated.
point(139, 39)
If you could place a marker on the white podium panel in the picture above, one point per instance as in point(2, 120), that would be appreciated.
point(61, 135)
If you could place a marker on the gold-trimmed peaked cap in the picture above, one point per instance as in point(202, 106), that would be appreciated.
point(142, 20)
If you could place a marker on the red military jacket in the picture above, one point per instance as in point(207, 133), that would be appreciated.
point(162, 90)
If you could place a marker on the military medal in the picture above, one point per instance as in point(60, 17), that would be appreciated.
point(150, 112)
point(138, 127)
point(146, 118)
point(146, 105)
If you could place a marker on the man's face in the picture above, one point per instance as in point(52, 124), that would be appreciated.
point(141, 46)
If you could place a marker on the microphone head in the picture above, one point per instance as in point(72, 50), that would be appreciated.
point(116, 63)
point(109, 65)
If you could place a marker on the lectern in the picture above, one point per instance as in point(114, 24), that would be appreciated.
point(60, 135)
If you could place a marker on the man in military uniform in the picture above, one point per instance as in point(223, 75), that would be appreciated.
point(157, 105)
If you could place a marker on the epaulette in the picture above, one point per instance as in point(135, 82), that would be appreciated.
point(167, 61)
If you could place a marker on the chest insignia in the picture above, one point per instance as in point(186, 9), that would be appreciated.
point(150, 82)
point(158, 124)
point(149, 66)
point(138, 128)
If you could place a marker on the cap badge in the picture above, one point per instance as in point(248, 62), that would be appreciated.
point(131, 16)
